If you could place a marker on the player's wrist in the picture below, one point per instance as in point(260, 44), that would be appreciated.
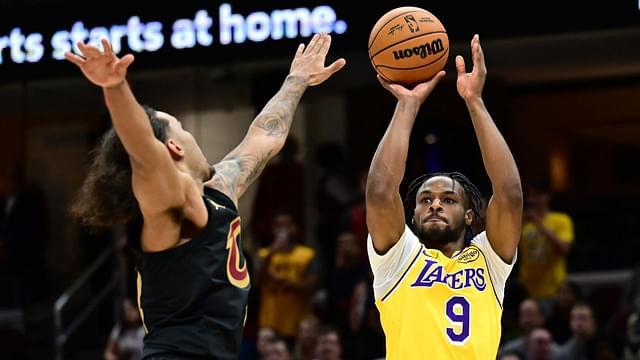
point(298, 78)
point(115, 86)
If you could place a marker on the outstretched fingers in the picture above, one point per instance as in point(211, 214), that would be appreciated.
point(299, 51)
point(122, 64)
point(477, 54)
point(79, 61)
point(312, 47)
point(106, 47)
point(460, 67)
point(324, 43)
point(337, 65)
point(89, 51)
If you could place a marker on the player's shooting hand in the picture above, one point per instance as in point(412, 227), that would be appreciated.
point(420, 92)
point(470, 85)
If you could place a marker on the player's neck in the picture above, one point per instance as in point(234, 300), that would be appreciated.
point(450, 248)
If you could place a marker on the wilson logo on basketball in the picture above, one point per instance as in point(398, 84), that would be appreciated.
point(423, 51)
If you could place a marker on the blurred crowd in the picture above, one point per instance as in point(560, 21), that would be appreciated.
point(313, 300)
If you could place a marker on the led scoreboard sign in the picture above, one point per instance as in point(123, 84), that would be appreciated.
point(148, 35)
point(205, 32)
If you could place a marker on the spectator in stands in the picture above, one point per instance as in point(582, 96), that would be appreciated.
point(356, 221)
point(347, 293)
point(333, 198)
point(329, 345)
point(540, 346)
point(265, 338)
point(278, 350)
point(279, 188)
point(287, 277)
point(307, 338)
point(126, 339)
point(546, 240)
point(583, 329)
point(529, 318)
point(559, 318)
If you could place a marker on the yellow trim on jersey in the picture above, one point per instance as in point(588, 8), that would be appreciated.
point(404, 273)
point(139, 286)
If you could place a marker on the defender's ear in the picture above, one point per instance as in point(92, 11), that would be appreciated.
point(176, 151)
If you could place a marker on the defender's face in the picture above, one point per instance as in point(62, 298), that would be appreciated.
point(441, 209)
point(193, 156)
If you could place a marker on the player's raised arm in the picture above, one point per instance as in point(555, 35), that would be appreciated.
point(504, 211)
point(384, 208)
point(269, 130)
point(105, 69)
point(156, 182)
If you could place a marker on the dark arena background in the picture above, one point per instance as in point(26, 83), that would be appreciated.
point(563, 87)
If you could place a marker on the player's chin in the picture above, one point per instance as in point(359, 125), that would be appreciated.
point(431, 230)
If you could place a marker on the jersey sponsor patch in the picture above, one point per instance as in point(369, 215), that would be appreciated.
point(470, 254)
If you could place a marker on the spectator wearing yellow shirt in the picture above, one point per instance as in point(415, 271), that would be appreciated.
point(287, 279)
point(546, 241)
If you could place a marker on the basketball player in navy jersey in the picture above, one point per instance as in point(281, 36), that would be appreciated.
point(191, 273)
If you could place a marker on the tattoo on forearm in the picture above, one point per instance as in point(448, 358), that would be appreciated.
point(273, 124)
point(239, 171)
point(277, 115)
point(251, 166)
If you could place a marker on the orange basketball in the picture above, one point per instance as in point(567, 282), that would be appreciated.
point(408, 45)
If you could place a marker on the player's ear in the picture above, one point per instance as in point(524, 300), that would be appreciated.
point(176, 151)
point(468, 217)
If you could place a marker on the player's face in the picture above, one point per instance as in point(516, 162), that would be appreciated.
point(441, 211)
point(193, 156)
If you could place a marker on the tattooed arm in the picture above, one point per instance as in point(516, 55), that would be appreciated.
point(269, 130)
point(265, 138)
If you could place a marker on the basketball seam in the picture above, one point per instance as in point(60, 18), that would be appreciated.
point(407, 39)
point(385, 24)
point(412, 68)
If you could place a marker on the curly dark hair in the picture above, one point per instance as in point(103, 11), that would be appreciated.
point(472, 195)
point(106, 197)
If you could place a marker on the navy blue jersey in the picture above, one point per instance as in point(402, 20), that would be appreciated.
point(193, 298)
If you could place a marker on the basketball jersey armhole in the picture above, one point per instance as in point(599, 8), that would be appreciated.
point(220, 197)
